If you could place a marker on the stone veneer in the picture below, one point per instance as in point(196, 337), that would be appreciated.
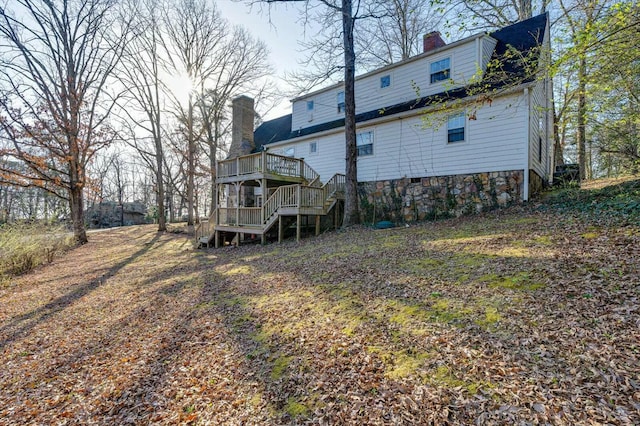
point(411, 199)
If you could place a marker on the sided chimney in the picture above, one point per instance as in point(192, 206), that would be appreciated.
point(431, 41)
point(241, 127)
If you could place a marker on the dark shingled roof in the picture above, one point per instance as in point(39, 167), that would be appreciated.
point(271, 131)
point(524, 36)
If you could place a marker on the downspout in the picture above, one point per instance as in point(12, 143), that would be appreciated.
point(527, 98)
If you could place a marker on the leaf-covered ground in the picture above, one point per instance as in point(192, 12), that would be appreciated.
point(520, 317)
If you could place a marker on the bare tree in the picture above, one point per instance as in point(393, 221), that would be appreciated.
point(240, 62)
point(397, 33)
point(56, 60)
point(581, 17)
point(141, 73)
point(324, 61)
point(474, 15)
point(195, 31)
point(220, 61)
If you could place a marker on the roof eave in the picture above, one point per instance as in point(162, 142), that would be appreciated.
point(402, 115)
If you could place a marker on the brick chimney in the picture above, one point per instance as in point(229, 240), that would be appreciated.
point(431, 41)
point(241, 127)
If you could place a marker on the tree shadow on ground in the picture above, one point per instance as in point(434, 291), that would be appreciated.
point(20, 325)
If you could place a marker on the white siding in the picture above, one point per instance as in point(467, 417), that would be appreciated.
point(417, 146)
point(330, 158)
point(538, 149)
point(488, 46)
point(409, 80)
point(541, 122)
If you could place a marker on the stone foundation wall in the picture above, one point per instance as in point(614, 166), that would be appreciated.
point(407, 200)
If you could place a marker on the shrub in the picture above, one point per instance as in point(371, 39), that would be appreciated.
point(24, 246)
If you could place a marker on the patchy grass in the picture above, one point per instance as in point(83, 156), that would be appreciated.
point(520, 281)
point(295, 409)
point(512, 317)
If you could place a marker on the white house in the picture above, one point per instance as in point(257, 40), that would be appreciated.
point(468, 122)
point(461, 127)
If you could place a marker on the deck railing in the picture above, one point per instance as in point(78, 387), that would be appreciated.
point(335, 185)
point(311, 197)
point(203, 230)
point(265, 162)
point(286, 196)
point(240, 216)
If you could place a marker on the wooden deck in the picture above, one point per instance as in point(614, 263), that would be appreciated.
point(306, 198)
point(264, 165)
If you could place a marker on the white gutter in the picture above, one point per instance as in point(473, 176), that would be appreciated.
point(527, 98)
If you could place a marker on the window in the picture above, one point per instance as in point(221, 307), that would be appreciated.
point(364, 143)
point(455, 128)
point(340, 100)
point(290, 152)
point(440, 70)
point(309, 105)
point(385, 81)
point(313, 147)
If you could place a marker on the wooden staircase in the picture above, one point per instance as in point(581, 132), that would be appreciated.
point(311, 198)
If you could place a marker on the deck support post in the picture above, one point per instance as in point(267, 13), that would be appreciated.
point(217, 239)
point(317, 225)
point(298, 220)
point(280, 230)
point(263, 238)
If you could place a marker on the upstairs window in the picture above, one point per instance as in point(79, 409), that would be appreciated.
point(309, 105)
point(364, 143)
point(440, 70)
point(313, 147)
point(340, 101)
point(385, 81)
point(455, 128)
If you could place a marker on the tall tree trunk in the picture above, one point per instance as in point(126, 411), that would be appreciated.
point(582, 113)
point(77, 213)
point(76, 178)
point(190, 164)
point(525, 10)
point(213, 153)
point(351, 216)
point(162, 220)
point(558, 148)
point(171, 207)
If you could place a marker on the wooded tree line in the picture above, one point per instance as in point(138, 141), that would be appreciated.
point(91, 108)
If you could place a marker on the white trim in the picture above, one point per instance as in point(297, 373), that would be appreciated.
point(371, 130)
point(310, 144)
point(386, 88)
point(465, 134)
point(433, 61)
